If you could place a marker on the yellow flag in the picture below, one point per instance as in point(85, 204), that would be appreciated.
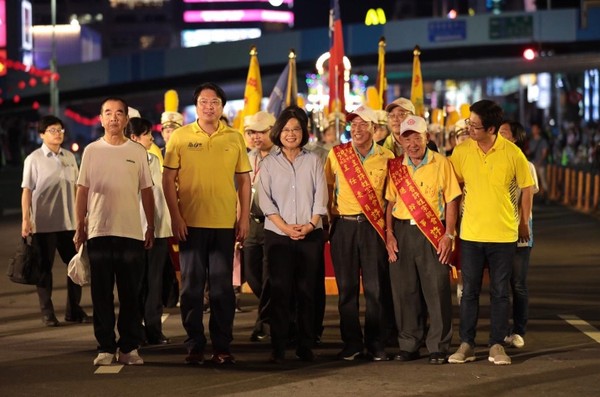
point(416, 92)
point(253, 92)
point(381, 80)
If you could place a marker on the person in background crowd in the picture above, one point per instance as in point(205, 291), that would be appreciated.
point(48, 207)
point(336, 122)
point(514, 132)
point(114, 173)
point(258, 128)
point(293, 197)
point(140, 130)
point(419, 254)
point(490, 167)
point(356, 173)
point(208, 160)
point(538, 151)
point(381, 128)
point(397, 111)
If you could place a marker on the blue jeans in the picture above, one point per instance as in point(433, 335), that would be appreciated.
point(499, 257)
point(520, 295)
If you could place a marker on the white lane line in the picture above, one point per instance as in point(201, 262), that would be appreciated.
point(109, 369)
point(582, 325)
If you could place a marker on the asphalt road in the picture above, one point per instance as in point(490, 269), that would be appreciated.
point(561, 356)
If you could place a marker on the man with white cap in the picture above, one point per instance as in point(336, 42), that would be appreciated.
point(258, 128)
point(397, 111)
point(356, 174)
point(422, 194)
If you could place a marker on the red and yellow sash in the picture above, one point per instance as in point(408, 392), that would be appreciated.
point(360, 184)
point(425, 217)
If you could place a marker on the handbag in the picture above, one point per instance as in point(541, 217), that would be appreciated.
point(25, 266)
point(79, 267)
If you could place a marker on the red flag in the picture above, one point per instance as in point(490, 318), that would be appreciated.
point(337, 102)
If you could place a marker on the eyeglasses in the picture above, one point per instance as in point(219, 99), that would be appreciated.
point(56, 131)
point(398, 115)
point(360, 126)
point(470, 125)
point(296, 130)
point(209, 102)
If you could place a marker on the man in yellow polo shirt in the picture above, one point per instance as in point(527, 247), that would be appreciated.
point(208, 160)
point(418, 257)
point(356, 245)
point(490, 167)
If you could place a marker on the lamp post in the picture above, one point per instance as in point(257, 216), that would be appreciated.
point(53, 80)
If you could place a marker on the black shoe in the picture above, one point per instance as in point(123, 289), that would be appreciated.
point(258, 336)
point(50, 320)
point(403, 355)
point(437, 358)
point(349, 354)
point(194, 357)
point(82, 318)
point(305, 354)
point(379, 356)
point(277, 357)
point(161, 340)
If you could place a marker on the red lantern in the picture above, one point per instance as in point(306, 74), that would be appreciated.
point(35, 105)
point(46, 79)
point(32, 82)
point(16, 99)
point(55, 76)
point(21, 85)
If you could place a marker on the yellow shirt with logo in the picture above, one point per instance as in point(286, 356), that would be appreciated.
point(435, 179)
point(375, 165)
point(207, 165)
point(489, 214)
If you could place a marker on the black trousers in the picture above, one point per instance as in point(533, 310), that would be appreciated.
point(117, 259)
point(293, 270)
point(256, 272)
point(151, 297)
point(356, 249)
point(49, 243)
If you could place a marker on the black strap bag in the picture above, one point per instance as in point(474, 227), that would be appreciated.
point(25, 266)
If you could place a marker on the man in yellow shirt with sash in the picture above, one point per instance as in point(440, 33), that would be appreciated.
point(422, 193)
point(356, 174)
point(490, 167)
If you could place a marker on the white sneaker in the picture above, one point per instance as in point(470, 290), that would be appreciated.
point(464, 354)
point(131, 358)
point(498, 356)
point(104, 359)
point(515, 340)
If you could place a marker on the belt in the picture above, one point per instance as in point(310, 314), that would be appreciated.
point(405, 221)
point(355, 218)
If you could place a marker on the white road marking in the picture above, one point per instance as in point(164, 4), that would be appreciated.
point(109, 369)
point(585, 327)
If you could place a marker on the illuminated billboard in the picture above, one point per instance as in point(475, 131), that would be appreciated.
point(2, 23)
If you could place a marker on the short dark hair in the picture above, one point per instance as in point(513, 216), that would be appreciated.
point(291, 112)
point(138, 127)
point(210, 86)
point(489, 112)
point(117, 99)
point(47, 121)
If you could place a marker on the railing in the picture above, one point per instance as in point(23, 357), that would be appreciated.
point(574, 188)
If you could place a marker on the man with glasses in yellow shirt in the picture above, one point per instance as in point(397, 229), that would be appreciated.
point(490, 167)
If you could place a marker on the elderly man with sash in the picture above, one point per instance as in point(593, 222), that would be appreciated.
point(356, 175)
point(422, 194)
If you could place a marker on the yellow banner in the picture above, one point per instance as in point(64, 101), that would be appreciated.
point(253, 92)
point(416, 92)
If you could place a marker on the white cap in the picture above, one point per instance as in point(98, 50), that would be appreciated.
point(171, 118)
point(404, 103)
point(413, 123)
point(132, 112)
point(364, 112)
point(260, 121)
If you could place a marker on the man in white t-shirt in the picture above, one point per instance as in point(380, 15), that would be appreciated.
point(114, 173)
